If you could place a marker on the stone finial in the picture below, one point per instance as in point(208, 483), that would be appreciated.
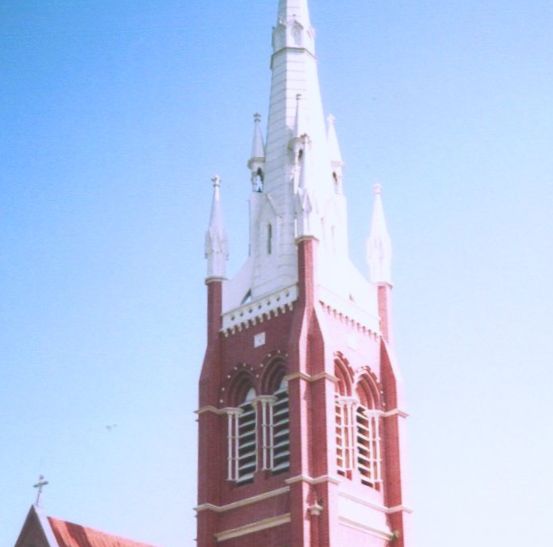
point(256, 163)
point(379, 244)
point(216, 243)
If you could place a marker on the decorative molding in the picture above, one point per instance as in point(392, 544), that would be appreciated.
point(375, 506)
point(395, 412)
point(253, 527)
point(309, 378)
point(243, 502)
point(312, 480)
point(210, 408)
point(399, 509)
point(262, 309)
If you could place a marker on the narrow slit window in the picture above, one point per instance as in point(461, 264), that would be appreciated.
point(269, 239)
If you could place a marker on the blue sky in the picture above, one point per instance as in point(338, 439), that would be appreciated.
point(114, 117)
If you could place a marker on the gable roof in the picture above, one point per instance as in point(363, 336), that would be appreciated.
point(69, 534)
point(53, 532)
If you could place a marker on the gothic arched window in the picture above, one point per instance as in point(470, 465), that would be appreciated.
point(344, 404)
point(367, 435)
point(275, 418)
point(242, 439)
point(357, 414)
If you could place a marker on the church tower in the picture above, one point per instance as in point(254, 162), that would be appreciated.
point(300, 407)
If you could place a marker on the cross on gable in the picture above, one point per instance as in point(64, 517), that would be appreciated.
point(39, 486)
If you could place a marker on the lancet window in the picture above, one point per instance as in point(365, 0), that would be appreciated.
point(367, 420)
point(242, 440)
point(280, 442)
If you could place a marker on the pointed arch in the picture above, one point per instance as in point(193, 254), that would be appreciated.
point(367, 388)
point(344, 375)
point(275, 370)
point(239, 386)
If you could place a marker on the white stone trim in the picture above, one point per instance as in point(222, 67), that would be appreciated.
point(210, 408)
point(256, 312)
point(395, 412)
point(46, 528)
point(271, 522)
point(312, 480)
point(378, 532)
point(399, 509)
point(309, 378)
point(375, 506)
point(243, 502)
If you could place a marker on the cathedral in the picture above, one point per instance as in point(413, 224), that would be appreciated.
point(301, 416)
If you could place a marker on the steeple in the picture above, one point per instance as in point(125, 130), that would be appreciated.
point(379, 245)
point(216, 243)
point(295, 109)
point(256, 162)
point(300, 417)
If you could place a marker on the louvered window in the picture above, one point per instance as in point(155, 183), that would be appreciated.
point(242, 441)
point(369, 463)
point(344, 435)
point(280, 445)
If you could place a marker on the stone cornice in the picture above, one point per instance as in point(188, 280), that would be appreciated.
point(395, 412)
point(312, 480)
point(376, 506)
point(260, 310)
point(243, 502)
point(309, 378)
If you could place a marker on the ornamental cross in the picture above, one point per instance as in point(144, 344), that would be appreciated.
point(39, 486)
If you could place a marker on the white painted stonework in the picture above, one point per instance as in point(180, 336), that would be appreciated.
point(297, 190)
point(260, 310)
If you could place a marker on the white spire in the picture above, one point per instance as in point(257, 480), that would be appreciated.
point(216, 243)
point(293, 29)
point(256, 163)
point(294, 8)
point(379, 245)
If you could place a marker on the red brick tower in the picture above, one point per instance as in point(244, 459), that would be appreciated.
point(300, 414)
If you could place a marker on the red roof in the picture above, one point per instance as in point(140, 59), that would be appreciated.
point(74, 535)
